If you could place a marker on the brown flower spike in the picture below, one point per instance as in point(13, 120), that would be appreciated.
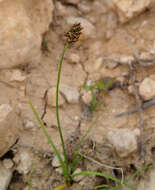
point(73, 34)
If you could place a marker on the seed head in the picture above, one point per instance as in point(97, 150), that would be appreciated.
point(74, 33)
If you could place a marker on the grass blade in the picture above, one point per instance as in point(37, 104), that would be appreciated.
point(102, 186)
point(30, 179)
point(49, 139)
point(106, 176)
point(97, 174)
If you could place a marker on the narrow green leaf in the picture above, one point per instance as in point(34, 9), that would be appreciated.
point(97, 174)
point(104, 175)
point(102, 186)
point(30, 179)
point(48, 138)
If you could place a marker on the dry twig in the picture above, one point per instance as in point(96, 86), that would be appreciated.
point(140, 112)
point(45, 106)
point(138, 100)
point(134, 110)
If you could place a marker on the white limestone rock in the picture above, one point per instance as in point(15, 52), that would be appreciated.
point(128, 9)
point(22, 24)
point(71, 94)
point(9, 123)
point(23, 160)
point(5, 177)
point(124, 141)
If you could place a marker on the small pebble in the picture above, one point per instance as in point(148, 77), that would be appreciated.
point(153, 48)
point(87, 97)
point(59, 170)
point(71, 94)
point(152, 77)
point(28, 124)
point(109, 33)
point(147, 89)
point(8, 163)
point(98, 63)
point(76, 118)
point(17, 75)
point(121, 79)
point(126, 59)
point(74, 58)
point(51, 98)
point(130, 89)
point(146, 55)
point(23, 159)
point(78, 178)
point(55, 161)
point(11, 75)
point(84, 8)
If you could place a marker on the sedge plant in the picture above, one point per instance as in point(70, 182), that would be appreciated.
point(68, 172)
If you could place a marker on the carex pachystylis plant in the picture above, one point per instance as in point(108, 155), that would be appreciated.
point(72, 36)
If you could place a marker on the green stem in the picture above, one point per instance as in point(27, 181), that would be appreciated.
point(57, 109)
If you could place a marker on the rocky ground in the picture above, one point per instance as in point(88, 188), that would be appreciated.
point(117, 42)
